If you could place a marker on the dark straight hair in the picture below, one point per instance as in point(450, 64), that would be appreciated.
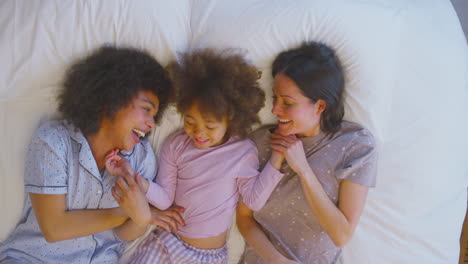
point(317, 71)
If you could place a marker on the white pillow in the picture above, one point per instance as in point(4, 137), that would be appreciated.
point(363, 35)
point(416, 213)
point(396, 62)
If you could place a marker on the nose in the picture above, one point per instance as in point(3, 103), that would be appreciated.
point(198, 132)
point(150, 123)
point(276, 110)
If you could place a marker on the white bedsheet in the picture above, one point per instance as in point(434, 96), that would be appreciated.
point(406, 65)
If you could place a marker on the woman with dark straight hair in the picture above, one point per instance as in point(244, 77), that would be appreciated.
point(329, 164)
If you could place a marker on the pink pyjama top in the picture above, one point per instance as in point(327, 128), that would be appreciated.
point(208, 182)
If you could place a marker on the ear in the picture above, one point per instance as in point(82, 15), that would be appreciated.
point(320, 106)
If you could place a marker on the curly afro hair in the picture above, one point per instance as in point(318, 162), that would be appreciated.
point(106, 81)
point(223, 84)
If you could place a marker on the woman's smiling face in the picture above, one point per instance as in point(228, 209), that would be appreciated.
point(133, 122)
point(296, 113)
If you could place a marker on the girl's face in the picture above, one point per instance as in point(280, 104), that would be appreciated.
point(205, 130)
point(295, 111)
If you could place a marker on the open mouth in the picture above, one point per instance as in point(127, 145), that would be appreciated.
point(201, 141)
point(284, 121)
point(139, 132)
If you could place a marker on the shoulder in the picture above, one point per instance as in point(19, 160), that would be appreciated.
point(143, 159)
point(52, 128)
point(244, 146)
point(176, 142)
point(357, 143)
point(142, 149)
point(262, 134)
point(359, 154)
point(54, 133)
point(355, 134)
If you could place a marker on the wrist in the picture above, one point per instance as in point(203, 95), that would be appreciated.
point(304, 171)
point(276, 160)
point(144, 222)
point(117, 211)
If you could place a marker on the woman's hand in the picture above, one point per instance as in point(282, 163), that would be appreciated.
point(132, 199)
point(292, 149)
point(142, 183)
point(117, 165)
point(168, 219)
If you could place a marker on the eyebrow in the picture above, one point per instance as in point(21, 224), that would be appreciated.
point(207, 121)
point(149, 101)
point(289, 97)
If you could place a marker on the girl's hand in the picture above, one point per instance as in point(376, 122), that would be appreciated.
point(276, 159)
point(292, 149)
point(117, 165)
point(168, 219)
point(132, 199)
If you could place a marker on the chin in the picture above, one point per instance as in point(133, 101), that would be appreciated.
point(284, 132)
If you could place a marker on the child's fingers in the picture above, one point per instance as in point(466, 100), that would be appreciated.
point(178, 208)
point(174, 212)
point(161, 221)
point(171, 222)
point(111, 153)
point(177, 217)
point(164, 225)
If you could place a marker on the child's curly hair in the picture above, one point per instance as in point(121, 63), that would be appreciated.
point(106, 81)
point(223, 84)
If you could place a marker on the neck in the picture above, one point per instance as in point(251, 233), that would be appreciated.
point(311, 133)
point(99, 147)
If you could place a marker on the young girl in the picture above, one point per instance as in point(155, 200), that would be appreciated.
point(205, 167)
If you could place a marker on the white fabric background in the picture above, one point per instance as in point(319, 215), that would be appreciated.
point(406, 63)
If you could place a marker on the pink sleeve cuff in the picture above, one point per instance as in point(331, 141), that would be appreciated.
point(156, 197)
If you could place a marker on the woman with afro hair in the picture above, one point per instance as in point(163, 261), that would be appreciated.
point(109, 101)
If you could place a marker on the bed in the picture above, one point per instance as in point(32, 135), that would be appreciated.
point(406, 64)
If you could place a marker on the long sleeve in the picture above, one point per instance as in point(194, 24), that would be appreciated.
point(161, 192)
point(254, 186)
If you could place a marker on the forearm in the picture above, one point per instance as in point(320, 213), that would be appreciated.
point(329, 216)
point(130, 230)
point(80, 223)
point(160, 197)
point(256, 190)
